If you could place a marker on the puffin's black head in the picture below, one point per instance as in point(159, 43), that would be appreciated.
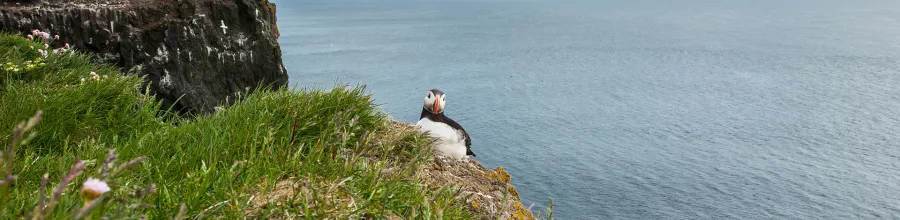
point(435, 102)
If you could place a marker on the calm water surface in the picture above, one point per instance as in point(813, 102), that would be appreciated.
point(700, 109)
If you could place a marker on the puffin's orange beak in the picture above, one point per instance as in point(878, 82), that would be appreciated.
point(437, 105)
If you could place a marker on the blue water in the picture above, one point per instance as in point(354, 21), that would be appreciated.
point(623, 109)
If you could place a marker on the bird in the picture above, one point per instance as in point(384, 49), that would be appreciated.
point(453, 141)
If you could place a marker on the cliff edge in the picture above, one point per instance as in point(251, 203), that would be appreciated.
point(485, 193)
point(200, 53)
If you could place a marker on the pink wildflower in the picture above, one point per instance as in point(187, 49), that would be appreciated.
point(30, 37)
point(93, 189)
point(46, 46)
point(56, 37)
point(31, 47)
point(35, 31)
point(67, 46)
point(94, 76)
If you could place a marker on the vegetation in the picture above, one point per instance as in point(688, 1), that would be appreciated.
point(335, 148)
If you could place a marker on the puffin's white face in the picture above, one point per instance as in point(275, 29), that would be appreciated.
point(435, 102)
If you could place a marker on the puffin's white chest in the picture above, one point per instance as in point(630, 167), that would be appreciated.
point(451, 143)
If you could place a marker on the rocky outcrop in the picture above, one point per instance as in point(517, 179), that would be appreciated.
point(201, 53)
point(485, 192)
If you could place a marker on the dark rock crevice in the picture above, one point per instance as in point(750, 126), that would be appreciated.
point(199, 52)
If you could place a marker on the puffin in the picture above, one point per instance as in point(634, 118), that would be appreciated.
point(453, 141)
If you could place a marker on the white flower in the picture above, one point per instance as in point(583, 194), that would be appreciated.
point(94, 76)
point(30, 37)
point(93, 189)
point(47, 46)
point(56, 37)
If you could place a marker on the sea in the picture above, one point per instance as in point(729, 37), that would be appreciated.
point(638, 109)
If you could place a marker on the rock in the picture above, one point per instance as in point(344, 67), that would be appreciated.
point(485, 192)
point(201, 53)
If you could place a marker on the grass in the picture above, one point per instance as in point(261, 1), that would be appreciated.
point(335, 148)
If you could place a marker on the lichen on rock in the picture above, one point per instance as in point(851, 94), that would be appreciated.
point(487, 192)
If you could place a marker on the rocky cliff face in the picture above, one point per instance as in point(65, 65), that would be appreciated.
point(198, 52)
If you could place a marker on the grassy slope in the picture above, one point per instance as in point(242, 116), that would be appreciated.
point(335, 140)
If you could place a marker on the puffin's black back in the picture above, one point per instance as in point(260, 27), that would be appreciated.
point(441, 118)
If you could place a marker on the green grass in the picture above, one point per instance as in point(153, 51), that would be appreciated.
point(345, 157)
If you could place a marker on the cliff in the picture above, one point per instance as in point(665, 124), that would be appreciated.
point(310, 145)
point(199, 53)
point(483, 191)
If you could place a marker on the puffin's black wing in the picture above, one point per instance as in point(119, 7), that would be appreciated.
point(465, 135)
